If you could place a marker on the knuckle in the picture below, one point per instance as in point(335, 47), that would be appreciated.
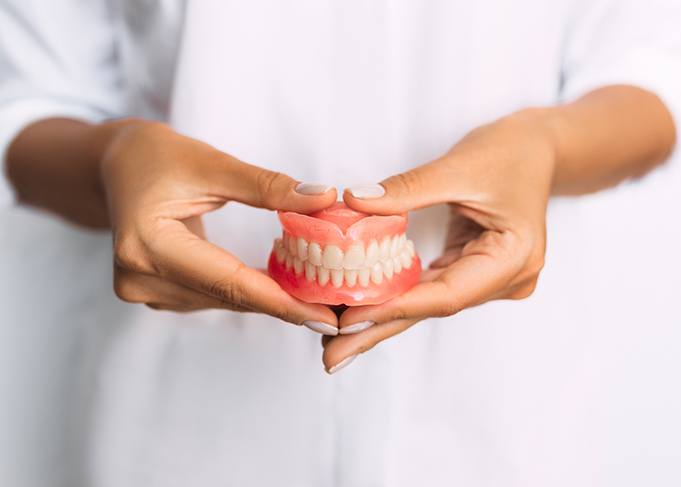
point(228, 290)
point(267, 183)
point(127, 290)
point(401, 184)
point(129, 252)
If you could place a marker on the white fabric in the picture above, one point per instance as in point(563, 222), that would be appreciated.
point(574, 386)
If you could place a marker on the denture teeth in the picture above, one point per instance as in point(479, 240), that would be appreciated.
point(298, 266)
point(310, 272)
point(406, 260)
point(323, 275)
point(350, 278)
point(388, 268)
point(364, 276)
point(394, 246)
point(302, 248)
point(372, 254)
point(332, 258)
point(314, 253)
point(292, 246)
point(384, 250)
point(279, 250)
point(403, 240)
point(397, 264)
point(354, 257)
point(377, 273)
point(410, 248)
point(289, 261)
point(337, 277)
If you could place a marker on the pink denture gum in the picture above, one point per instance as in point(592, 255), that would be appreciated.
point(341, 256)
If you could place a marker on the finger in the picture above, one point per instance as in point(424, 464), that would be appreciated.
point(272, 190)
point(184, 258)
point(345, 347)
point(427, 185)
point(159, 293)
point(484, 271)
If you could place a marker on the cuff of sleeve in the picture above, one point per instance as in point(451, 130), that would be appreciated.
point(656, 71)
point(19, 114)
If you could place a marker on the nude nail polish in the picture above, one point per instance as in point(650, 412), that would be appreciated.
point(356, 327)
point(367, 191)
point(319, 327)
point(342, 364)
point(312, 189)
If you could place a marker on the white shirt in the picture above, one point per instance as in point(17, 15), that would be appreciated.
point(577, 385)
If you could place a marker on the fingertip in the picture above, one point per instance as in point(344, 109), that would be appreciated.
point(310, 197)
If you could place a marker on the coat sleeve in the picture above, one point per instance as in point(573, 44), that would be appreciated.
point(57, 59)
point(632, 42)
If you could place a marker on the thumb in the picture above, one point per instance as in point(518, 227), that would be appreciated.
point(426, 185)
point(262, 188)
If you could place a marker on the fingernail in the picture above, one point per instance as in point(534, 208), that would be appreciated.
point(356, 327)
point(342, 364)
point(319, 327)
point(312, 189)
point(367, 191)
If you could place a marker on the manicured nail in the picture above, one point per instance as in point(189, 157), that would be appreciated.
point(319, 327)
point(342, 364)
point(356, 327)
point(312, 189)
point(367, 191)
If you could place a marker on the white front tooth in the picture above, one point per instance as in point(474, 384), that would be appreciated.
point(310, 272)
point(289, 261)
point(292, 246)
point(394, 246)
point(406, 260)
point(373, 253)
point(279, 250)
point(302, 248)
point(337, 277)
point(388, 268)
point(350, 277)
point(410, 249)
point(314, 253)
point(403, 240)
point(384, 251)
point(397, 264)
point(332, 258)
point(322, 275)
point(364, 276)
point(377, 273)
point(298, 266)
point(354, 257)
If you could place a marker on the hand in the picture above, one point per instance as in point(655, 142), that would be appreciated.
point(497, 182)
point(158, 184)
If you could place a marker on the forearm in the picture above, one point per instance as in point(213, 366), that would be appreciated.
point(608, 136)
point(54, 164)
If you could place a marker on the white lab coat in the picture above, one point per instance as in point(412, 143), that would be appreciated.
point(577, 385)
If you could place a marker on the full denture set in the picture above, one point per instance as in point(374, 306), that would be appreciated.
point(340, 256)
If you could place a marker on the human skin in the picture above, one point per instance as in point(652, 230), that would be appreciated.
point(151, 185)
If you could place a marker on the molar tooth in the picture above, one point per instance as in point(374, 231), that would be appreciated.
point(372, 253)
point(337, 277)
point(406, 260)
point(410, 249)
point(388, 268)
point(350, 278)
point(332, 258)
point(377, 273)
point(289, 261)
point(310, 272)
point(298, 266)
point(322, 275)
point(314, 253)
point(384, 252)
point(364, 276)
point(354, 257)
point(279, 250)
point(302, 248)
point(292, 247)
point(394, 246)
point(397, 264)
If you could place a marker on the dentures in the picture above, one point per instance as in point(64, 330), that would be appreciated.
point(340, 256)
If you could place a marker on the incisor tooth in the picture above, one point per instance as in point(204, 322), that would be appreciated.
point(372, 253)
point(394, 246)
point(298, 266)
point(377, 273)
point(322, 275)
point(397, 264)
point(314, 253)
point(332, 258)
point(410, 249)
point(350, 278)
point(403, 240)
point(406, 260)
point(310, 272)
point(292, 246)
point(364, 276)
point(388, 268)
point(302, 248)
point(337, 277)
point(354, 257)
point(384, 252)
